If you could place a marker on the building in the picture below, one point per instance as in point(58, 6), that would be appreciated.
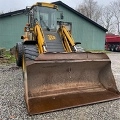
point(90, 34)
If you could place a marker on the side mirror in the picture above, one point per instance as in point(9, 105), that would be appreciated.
point(27, 10)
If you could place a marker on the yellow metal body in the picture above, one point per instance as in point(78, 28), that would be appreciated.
point(66, 37)
point(60, 80)
point(44, 4)
point(40, 37)
point(68, 40)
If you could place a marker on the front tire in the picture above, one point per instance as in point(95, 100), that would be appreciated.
point(30, 52)
point(19, 53)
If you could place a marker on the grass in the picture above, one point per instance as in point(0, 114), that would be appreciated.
point(7, 58)
point(10, 57)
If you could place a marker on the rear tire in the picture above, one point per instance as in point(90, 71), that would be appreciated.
point(112, 49)
point(116, 49)
point(19, 53)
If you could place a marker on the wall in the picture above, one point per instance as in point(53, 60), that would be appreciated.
point(11, 29)
point(91, 37)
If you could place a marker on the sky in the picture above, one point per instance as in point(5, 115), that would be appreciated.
point(13, 5)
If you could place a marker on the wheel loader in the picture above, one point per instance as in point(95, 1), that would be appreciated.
point(56, 74)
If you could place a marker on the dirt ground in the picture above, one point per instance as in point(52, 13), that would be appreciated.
point(13, 107)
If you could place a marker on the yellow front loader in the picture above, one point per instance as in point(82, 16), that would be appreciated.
point(56, 74)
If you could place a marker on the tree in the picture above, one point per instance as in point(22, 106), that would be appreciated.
point(115, 6)
point(107, 19)
point(90, 9)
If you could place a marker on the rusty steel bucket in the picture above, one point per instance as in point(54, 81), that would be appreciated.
point(57, 81)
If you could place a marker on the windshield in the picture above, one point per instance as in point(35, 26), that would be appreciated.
point(46, 17)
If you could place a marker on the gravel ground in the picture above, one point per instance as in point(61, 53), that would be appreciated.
point(12, 104)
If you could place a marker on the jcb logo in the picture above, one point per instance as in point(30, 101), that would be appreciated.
point(51, 37)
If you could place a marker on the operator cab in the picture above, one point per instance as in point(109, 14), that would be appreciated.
point(47, 18)
point(45, 15)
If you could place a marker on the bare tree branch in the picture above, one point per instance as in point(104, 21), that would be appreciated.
point(116, 12)
point(90, 9)
point(107, 19)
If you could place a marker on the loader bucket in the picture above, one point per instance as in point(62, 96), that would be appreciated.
point(57, 81)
